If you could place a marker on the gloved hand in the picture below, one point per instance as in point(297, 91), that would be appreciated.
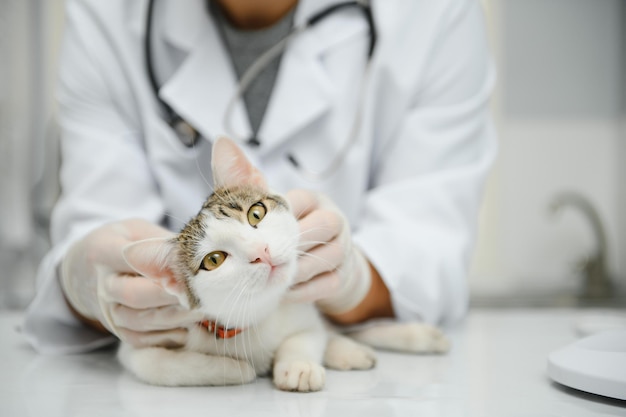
point(100, 285)
point(331, 270)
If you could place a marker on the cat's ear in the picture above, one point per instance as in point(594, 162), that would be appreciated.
point(153, 258)
point(231, 167)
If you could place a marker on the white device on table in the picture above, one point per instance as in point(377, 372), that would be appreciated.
point(595, 364)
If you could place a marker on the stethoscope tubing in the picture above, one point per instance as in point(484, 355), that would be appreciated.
point(191, 136)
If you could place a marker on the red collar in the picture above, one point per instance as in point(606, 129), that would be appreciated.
point(221, 332)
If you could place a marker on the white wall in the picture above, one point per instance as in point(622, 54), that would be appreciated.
point(560, 108)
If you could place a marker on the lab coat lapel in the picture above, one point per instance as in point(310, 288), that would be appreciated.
point(302, 93)
point(200, 89)
point(304, 89)
point(204, 83)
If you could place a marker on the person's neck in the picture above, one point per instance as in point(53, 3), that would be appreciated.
point(255, 14)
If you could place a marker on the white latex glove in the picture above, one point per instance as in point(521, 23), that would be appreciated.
point(331, 270)
point(100, 285)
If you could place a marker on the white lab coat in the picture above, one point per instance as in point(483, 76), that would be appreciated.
point(410, 185)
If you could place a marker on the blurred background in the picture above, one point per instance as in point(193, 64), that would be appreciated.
point(30, 34)
point(552, 226)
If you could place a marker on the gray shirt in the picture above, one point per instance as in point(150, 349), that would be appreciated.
point(244, 47)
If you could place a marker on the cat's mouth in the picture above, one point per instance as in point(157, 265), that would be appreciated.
point(272, 273)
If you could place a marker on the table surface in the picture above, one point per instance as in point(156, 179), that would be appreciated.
point(496, 367)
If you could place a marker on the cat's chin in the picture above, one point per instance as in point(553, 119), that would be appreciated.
point(261, 296)
point(246, 311)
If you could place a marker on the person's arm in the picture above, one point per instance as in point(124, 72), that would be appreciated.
point(420, 217)
point(332, 271)
point(104, 175)
point(418, 220)
point(376, 304)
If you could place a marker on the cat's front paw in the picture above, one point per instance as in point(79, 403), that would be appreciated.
point(302, 376)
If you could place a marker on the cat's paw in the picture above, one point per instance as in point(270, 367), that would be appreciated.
point(421, 338)
point(302, 376)
point(344, 354)
point(404, 337)
point(177, 368)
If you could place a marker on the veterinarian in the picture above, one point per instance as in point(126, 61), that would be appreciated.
point(373, 118)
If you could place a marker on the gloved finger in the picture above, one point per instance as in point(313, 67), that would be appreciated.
point(139, 229)
point(136, 292)
point(320, 259)
point(302, 202)
point(315, 289)
point(109, 241)
point(171, 339)
point(163, 318)
point(318, 227)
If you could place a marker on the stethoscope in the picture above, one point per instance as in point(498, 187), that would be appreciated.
point(190, 136)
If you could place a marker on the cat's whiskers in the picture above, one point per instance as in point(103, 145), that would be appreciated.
point(236, 293)
point(315, 229)
point(305, 209)
point(206, 181)
point(233, 293)
point(312, 229)
point(260, 341)
point(322, 260)
point(171, 216)
point(243, 312)
point(282, 250)
point(312, 243)
point(247, 336)
point(225, 323)
point(242, 291)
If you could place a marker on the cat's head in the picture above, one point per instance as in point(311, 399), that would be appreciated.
point(236, 258)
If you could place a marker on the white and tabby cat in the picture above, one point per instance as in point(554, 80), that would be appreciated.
point(232, 265)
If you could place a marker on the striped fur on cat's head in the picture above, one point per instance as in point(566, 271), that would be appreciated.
point(237, 257)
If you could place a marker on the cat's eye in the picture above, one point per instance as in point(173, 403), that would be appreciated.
point(213, 260)
point(256, 214)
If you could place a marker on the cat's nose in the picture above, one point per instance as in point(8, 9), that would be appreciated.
point(261, 255)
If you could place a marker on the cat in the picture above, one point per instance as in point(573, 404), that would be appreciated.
point(232, 264)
